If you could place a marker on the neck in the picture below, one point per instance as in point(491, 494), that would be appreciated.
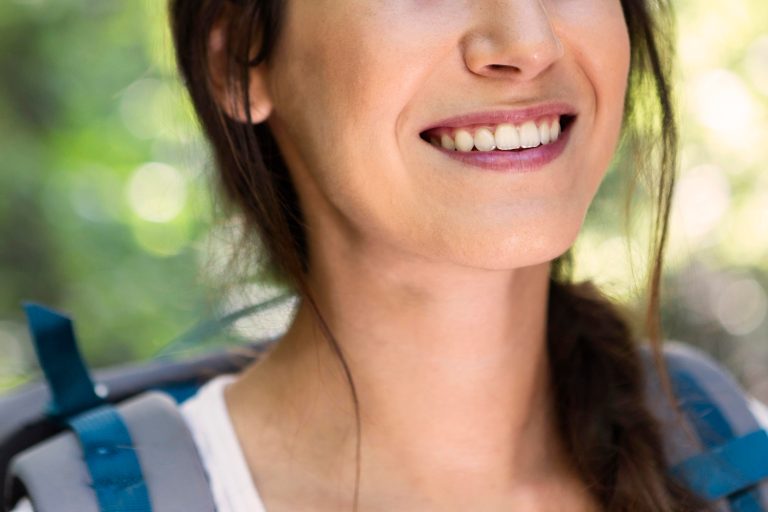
point(451, 375)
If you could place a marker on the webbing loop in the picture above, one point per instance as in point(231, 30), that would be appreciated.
point(72, 390)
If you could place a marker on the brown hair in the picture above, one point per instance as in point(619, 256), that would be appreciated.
point(613, 440)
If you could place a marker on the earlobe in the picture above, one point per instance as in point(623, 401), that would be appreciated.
point(225, 82)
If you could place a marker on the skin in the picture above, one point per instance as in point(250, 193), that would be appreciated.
point(432, 275)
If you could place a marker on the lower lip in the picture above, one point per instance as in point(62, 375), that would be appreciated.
point(527, 160)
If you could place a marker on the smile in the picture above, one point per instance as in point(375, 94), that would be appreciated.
point(506, 146)
point(501, 137)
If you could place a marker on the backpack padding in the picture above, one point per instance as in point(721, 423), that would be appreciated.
point(715, 408)
point(677, 445)
point(169, 460)
point(172, 467)
point(718, 383)
point(54, 476)
point(705, 383)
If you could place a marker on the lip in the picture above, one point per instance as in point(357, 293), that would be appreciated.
point(517, 116)
point(515, 161)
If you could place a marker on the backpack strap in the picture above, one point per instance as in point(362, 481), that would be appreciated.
point(106, 443)
point(138, 457)
point(726, 459)
point(58, 472)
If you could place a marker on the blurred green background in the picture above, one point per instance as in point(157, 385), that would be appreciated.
point(107, 211)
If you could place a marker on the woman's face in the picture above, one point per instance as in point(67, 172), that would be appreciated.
point(354, 84)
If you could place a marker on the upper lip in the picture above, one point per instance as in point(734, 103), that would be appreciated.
point(516, 116)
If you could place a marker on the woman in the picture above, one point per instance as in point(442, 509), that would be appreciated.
point(433, 273)
point(417, 171)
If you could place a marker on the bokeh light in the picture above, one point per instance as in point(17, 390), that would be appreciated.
point(741, 306)
point(725, 105)
point(157, 192)
point(756, 64)
point(702, 197)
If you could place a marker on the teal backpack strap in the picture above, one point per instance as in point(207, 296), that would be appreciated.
point(71, 387)
point(727, 462)
point(113, 463)
point(57, 479)
point(107, 447)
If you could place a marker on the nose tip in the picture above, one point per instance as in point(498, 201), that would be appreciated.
point(529, 61)
point(514, 39)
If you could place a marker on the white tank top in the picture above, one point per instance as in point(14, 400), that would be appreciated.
point(223, 459)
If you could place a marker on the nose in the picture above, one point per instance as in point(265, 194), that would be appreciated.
point(511, 39)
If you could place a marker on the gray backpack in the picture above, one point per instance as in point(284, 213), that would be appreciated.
point(138, 455)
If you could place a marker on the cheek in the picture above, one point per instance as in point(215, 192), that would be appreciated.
point(611, 66)
point(599, 39)
point(596, 33)
point(345, 75)
point(321, 93)
point(348, 62)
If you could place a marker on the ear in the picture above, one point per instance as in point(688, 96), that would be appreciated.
point(224, 72)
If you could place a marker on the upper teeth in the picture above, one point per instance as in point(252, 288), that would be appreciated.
point(503, 137)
